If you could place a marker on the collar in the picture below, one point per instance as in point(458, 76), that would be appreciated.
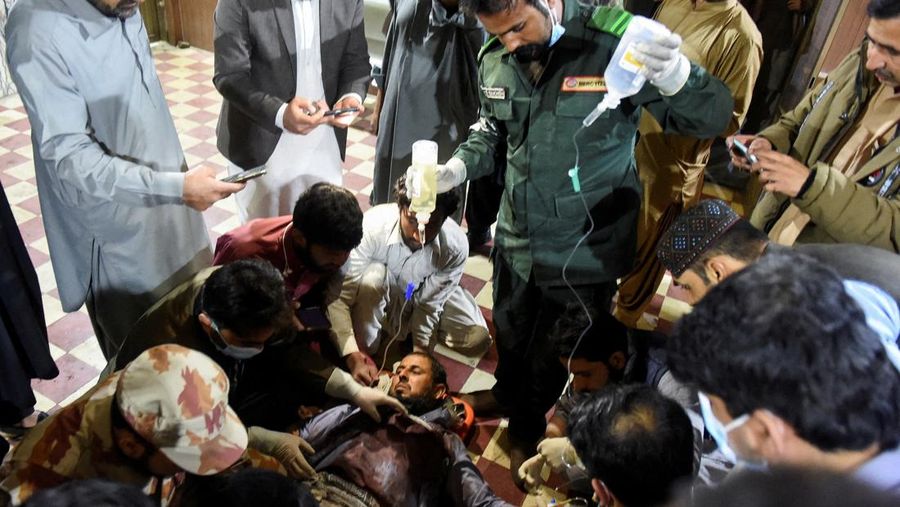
point(93, 21)
point(881, 472)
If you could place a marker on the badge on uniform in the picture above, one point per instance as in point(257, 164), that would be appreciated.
point(583, 84)
point(494, 93)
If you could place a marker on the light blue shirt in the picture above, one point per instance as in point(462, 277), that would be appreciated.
point(108, 162)
point(882, 472)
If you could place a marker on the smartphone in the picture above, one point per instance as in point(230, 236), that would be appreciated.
point(338, 112)
point(246, 175)
point(740, 149)
point(313, 318)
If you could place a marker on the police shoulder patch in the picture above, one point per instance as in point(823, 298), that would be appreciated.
point(611, 20)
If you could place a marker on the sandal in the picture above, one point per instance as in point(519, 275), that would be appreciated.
point(17, 430)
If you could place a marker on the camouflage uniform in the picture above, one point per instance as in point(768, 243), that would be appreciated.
point(174, 398)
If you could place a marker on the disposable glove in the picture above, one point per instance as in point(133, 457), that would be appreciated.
point(449, 175)
point(664, 65)
point(288, 449)
point(558, 452)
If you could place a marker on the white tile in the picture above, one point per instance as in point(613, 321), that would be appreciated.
point(25, 170)
point(485, 296)
point(673, 309)
point(456, 356)
point(365, 168)
point(21, 191)
point(46, 278)
point(43, 403)
point(56, 352)
point(227, 225)
point(52, 309)
point(41, 245)
point(480, 267)
point(21, 215)
point(479, 380)
point(361, 151)
point(80, 391)
point(89, 352)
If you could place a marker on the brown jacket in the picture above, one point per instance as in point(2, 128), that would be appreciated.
point(865, 209)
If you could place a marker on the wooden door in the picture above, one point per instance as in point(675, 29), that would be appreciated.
point(191, 21)
point(151, 11)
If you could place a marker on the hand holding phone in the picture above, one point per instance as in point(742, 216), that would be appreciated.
point(740, 149)
point(245, 176)
point(338, 112)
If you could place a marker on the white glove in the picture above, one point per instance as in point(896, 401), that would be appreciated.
point(368, 400)
point(664, 65)
point(288, 449)
point(531, 472)
point(558, 452)
point(341, 385)
point(449, 175)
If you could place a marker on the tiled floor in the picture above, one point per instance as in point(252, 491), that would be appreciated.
point(194, 103)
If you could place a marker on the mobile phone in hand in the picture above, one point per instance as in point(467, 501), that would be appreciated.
point(740, 149)
point(338, 112)
point(245, 176)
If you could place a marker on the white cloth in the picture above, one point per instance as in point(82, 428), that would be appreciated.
point(299, 161)
point(372, 292)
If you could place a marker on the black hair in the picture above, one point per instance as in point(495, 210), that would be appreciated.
point(445, 205)
point(789, 487)
point(883, 9)
point(476, 7)
point(741, 241)
point(785, 336)
point(605, 337)
point(635, 440)
point(252, 486)
point(329, 215)
point(438, 373)
point(246, 296)
point(90, 493)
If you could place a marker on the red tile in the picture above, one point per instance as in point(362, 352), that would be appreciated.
point(350, 163)
point(356, 182)
point(8, 180)
point(201, 102)
point(500, 481)
point(488, 361)
point(11, 159)
point(71, 331)
point(32, 204)
point(200, 67)
point(200, 89)
point(202, 132)
point(20, 125)
point(198, 77)
point(73, 374)
point(471, 284)
point(665, 327)
point(457, 373)
point(203, 150)
point(201, 117)
point(163, 67)
point(15, 142)
point(486, 429)
point(363, 201)
point(37, 257)
point(31, 230)
point(164, 56)
point(54, 293)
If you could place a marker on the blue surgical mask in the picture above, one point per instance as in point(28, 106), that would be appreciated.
point(232, 351)
point(556, 33)
point(717, 430)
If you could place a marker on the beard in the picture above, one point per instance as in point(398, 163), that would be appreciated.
point(419, 405)
point(123, 8)
point(308, 260)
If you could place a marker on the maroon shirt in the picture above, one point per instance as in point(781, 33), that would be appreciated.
point(264, 238)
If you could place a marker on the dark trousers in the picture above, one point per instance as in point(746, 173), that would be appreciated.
point(529, 375)
point(483, 203)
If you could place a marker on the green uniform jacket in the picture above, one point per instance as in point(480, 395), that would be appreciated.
point(172, 320)
point(541, 217)
point(841, 210)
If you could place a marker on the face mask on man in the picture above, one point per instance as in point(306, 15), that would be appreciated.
point(719, 432)
point(534, 52)
point(232, 351)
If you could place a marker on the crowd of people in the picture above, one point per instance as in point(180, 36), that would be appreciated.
point(294, 362)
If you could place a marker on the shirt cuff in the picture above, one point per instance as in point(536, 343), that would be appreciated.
point(170, 185)
point(351, 94)
point(279, 116)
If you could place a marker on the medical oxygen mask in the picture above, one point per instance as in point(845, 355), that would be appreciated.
point(623, 73)
point(421, 182)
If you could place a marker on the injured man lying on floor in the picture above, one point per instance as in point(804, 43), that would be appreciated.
point(415, 459)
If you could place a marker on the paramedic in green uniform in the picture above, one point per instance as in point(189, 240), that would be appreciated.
point(539, 76)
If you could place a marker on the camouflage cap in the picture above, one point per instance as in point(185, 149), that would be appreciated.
point(177, 399)
point(693, 232)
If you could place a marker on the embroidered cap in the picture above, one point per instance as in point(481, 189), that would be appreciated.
point(693, 232)
point(177, 400)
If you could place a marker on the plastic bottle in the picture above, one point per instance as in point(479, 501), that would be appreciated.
point(422, 181)
point(623, 77)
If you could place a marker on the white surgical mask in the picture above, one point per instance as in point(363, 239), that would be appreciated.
point(717, 430)
point(232, 351)
point(557, 31)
